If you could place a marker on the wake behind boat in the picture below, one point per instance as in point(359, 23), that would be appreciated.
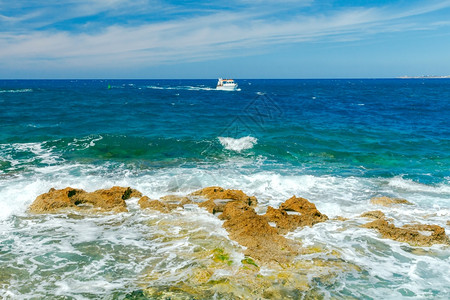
point(226, 85)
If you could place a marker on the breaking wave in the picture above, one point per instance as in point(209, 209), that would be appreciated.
point(412, 186)
point(187, 88)
point(17, 91)
point(243, 143)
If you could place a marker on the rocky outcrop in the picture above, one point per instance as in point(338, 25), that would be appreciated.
point(293, 213)
point(106, 200)
point(218, 197)
point(387, 201)
point(262, 241)
point(415, 235)
point(245, 226)
point(254, 232)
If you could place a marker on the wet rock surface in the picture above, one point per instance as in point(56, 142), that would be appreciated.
point(254, 232)
point(104, 200)
point(262, 241)
point(249, 258)
point(218, 197)
point(293, 213)
point(234, 264)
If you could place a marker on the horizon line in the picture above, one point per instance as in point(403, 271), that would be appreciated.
point(237, 78)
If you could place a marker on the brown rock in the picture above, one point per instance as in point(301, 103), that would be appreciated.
point(247, 227)
point(76, 199)
point(219, 197)
point(415, 235)
point(254, 232)
point(111, 199)
point(146, 202)
point(374, 214)
point(293, 213)
point(135, 194)
point(387, 201)
point(55, 200)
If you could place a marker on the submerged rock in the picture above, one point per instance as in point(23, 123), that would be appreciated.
point(174, 199)
point(387, 201)
point(104, 200)
point(146, 202)
point(415, 235)
point(293, 213)
point(165, 205)
point(254, 232)
point(215, 276)
point(340, 218)
point(218, 197)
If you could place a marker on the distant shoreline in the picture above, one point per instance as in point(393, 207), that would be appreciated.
point(424, 77)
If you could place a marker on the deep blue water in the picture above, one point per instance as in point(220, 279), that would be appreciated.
point(381, 127)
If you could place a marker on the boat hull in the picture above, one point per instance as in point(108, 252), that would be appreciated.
point(227, 87)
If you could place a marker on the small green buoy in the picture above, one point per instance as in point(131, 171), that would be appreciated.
point(109, 86)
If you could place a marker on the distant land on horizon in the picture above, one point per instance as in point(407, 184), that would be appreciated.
point(424, 76)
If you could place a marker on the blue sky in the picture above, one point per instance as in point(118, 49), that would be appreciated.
point(234, 38)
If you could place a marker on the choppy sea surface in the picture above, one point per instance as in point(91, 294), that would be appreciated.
point(337, 143)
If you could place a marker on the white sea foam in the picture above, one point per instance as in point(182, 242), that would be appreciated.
point(86, 142)
point(346, 196)
point(91, 255)
point(30, 153)
point(412, 186)
point(243, 143)
point(393, 265)
point(17, 91)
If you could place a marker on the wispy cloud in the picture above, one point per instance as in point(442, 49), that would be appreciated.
point(175, 36)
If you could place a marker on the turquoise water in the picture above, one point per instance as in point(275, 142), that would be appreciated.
point(335, 142)
point(365, 128)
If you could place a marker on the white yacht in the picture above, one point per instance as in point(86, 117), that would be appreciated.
point(226, 85)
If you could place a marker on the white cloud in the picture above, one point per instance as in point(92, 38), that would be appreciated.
point(214, 35)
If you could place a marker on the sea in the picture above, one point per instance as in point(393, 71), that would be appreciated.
point(337, 143)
